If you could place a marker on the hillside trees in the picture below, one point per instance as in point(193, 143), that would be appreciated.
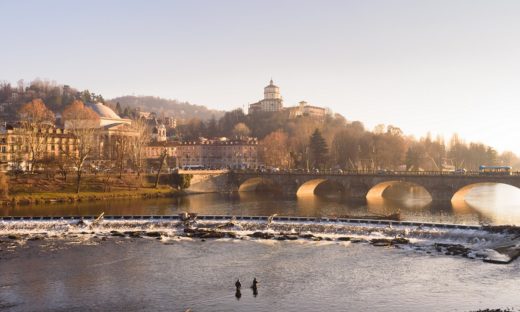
point(318, 150)
point(227, 123)
point(274, 150)
point(345, 147)
point(241, 130)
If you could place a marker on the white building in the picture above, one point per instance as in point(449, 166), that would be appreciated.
point(272, 101)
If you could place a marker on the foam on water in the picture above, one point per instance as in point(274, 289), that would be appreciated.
point(423, 238)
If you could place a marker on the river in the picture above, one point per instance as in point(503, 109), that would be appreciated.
point(128, 274)
point(487, 204)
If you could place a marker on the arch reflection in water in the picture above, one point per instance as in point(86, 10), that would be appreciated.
point(497, 203)
point(319, 206)
point(400, 191)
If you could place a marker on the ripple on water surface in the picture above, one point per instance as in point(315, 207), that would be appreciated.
point(146, 275)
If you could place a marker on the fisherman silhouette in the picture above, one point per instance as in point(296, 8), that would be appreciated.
point(238, 284)
point(254, 287)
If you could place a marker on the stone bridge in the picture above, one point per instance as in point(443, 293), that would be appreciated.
point(440, 186)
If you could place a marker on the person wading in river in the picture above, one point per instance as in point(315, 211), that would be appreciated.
point(238, 285)
point(254, 287)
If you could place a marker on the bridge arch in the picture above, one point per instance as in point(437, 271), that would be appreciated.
point(389, 188)
point(460, 194)
point(321, 187)
point(258, 184)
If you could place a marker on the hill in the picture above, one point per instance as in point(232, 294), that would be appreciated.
point(180, 110)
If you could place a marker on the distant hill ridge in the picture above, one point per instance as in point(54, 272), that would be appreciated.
point(175, 108)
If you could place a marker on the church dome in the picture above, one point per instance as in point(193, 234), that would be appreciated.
point(272, 91)
point(271, 85)
point(103, 111)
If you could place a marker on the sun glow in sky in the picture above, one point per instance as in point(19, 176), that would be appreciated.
point(439, 66)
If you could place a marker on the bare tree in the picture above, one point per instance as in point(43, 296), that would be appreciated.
point(121, 149)
point(63, 165)
point(82, 122)
point(35, 120)
point(274, 149)
point(241, 130)
point(138, 143)
point(162, 160)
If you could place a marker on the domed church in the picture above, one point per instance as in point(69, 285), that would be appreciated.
point(272, 101)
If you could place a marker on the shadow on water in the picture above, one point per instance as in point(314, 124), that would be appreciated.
point(112, 207)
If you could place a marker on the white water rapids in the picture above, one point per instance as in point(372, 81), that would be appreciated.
point(498, 246)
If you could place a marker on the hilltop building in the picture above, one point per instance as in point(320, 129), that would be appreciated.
point(272, 101)
point(304, 109)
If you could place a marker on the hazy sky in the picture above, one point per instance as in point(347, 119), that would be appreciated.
point(439, 66)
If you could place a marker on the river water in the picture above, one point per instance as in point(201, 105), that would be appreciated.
point(487, 204)
point(146, 274)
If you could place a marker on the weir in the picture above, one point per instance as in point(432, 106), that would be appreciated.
point(281, 219)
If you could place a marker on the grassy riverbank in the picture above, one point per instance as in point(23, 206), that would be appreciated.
point(38, 189)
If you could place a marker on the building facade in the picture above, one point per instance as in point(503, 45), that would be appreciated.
point(17, 146)
point(219, 154)
point(304, 109)
point(210, 154)
point(272, 101)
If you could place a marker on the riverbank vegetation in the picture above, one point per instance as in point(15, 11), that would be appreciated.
point(39, 188)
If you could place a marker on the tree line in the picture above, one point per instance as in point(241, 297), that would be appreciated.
point(55, 96)
point(334, 142)
point(291, 142)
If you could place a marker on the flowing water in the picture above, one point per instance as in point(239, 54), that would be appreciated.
point(487, 204)
point(145, 275)
point(75, 273)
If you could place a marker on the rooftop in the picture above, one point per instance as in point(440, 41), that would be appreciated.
point(103, 111)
